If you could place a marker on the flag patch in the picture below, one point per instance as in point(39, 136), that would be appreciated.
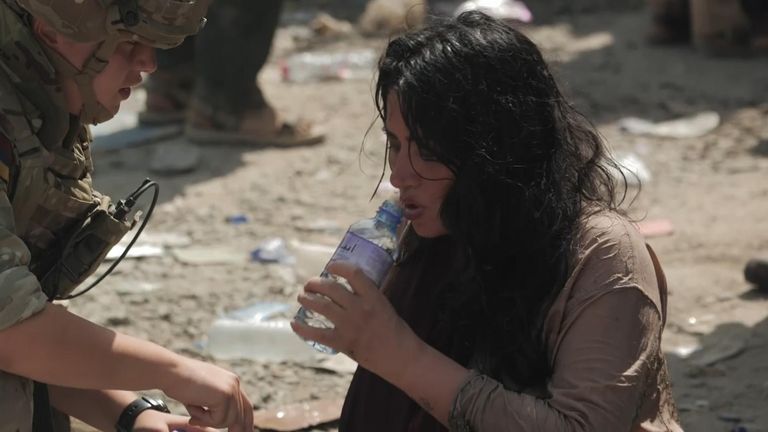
point(6, 158)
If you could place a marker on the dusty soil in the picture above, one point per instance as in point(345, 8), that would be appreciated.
point(713, 189)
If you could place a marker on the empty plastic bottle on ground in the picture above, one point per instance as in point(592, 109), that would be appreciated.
point(324, 66)
point(371, 245)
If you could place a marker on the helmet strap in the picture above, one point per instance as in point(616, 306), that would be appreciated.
point(92, 111)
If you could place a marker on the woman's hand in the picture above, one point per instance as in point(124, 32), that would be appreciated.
point(211, 395)
point(366, 326)
point(156, 421)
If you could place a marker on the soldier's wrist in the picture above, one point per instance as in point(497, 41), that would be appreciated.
point(129, 415)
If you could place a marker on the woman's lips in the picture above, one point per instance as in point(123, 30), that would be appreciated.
point(125, 92)
point(412, 211)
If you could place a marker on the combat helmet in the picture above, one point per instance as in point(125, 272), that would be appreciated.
point(157, 23)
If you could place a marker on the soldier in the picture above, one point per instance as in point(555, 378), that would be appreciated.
point(63, 65)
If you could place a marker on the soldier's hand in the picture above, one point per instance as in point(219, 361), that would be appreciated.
point(212, 396)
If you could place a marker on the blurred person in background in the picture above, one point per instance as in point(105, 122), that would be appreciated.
point(209, 82)
point(721, 27)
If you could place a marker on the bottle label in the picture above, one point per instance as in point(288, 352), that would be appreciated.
point(374, 261)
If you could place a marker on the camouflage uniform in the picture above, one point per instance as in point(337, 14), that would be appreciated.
point(50, 216)
point(20, 292)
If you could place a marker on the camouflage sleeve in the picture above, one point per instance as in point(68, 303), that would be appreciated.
point(20, 292)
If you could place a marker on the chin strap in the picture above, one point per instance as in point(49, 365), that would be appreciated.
point(92, 111)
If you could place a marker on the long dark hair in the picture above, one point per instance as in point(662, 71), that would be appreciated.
point(477, 95)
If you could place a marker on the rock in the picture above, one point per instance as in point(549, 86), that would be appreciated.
point(175, 157)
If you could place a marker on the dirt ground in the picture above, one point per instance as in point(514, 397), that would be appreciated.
point(713, 189)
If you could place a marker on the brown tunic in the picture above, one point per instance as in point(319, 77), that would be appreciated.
point(604, 332)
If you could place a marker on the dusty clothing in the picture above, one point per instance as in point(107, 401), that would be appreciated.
point(45, 188)
point(603, 336)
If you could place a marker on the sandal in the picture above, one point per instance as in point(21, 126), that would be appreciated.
point(259, 128)
point(168, 97)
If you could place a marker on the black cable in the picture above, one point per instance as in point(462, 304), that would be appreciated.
point(122, 209)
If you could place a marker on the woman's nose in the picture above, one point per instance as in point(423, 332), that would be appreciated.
point(402, 173)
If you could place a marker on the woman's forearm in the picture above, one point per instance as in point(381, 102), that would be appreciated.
point(426, 375)
point(60, 348)
point(98, 408)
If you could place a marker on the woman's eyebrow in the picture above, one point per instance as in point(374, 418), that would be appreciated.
point(392, 135)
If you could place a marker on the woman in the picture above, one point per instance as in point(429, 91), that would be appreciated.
point(522, 299)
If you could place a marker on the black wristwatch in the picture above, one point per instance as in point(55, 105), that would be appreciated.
point(128, 416)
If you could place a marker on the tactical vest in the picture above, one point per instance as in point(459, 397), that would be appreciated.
point(66, 225)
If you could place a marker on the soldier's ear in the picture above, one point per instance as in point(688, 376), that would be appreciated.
point(45, 33)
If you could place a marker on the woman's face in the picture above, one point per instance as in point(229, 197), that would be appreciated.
point(423, 182)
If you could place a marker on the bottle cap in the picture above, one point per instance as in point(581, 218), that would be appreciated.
point(390, 214)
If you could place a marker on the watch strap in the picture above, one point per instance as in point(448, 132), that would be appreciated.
point(128, 417)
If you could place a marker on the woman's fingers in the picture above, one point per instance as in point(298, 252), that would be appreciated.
point(361, 284)
point(321, 305)
point(331, 289)
point(323, 336)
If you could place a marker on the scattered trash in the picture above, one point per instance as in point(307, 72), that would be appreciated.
point(207, 255)
point(137, 251)
point(324, 25)
point(166, 239)
point(340, 364)
point(272, 250)
point(631, 168)
point(298, 416)
point(261, 331)
point(238, 219)
point(310, 258)
point(507, 10)
point(386, 17)
point(174, 157)
point(655, 228)
point(694, 126)
point(325, 66)
point(122, 286)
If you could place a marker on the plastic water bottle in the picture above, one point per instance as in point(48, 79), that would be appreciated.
point(371, 245)
point(323, 66)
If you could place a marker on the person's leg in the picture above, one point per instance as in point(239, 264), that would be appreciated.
point(670, 20)
point(228, 105)
point(169, 88)
point(757, 11)
point(230, 51)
